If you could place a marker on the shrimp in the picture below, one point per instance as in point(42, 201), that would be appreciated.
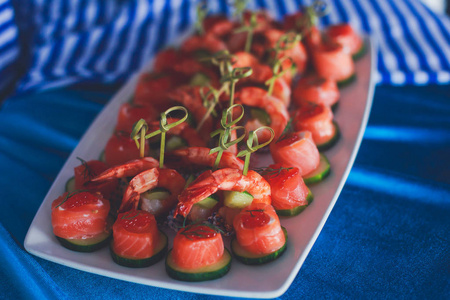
point(183, 130)
point(190, 66)
point(218, 25)
point(256, 97)
point(128, 169)
point(236, 40)
point(208, 42)
point(261, 73)
point(165, 60)
point(151, 88)
point(147, 176)
point(199, 156)
point(189, 97)
point(226, 180)
point(167, 179)
point(179, 68)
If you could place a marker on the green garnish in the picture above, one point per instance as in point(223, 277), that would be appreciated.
point(126, 216)
point(222, 59)
point(311, 16)
point(288, 129)
point(270, 171)
point(233, 77)
point(239, 8)
point(209, 101)
point(163, 128)
point(202, 11)
point(87, 173)
point(139, 130)
point(253, 145)
point(225, 132)
point(285, 42)
point(251, 211)
point(70, 195)
point(250, 28)
point(190, 230)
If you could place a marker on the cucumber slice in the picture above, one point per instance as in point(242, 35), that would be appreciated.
point(101, 157)
point(86, 245)
point(211, 272)
point(201, 54)
point(202, 210)
point(189, 180)
point(70, 185)
point(209, 202)
point(175, 142)
point(262, 116)
point(296, 210)
point(347, 81)
point(335, 107)
point(153, 201)
point(360, 52)
point(235, 199)
point(320, 173)
point(157, 193)
point(250, 258)
point(200, 79)
point(330, 143)
point(160, 252)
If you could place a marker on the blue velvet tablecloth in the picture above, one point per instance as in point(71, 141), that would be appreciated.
point(387, 236)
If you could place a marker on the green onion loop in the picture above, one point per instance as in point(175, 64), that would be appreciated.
point(236, 74)
point(224, 135)
point(141, 126)
point(163, 126)
point(228, 115)
point(202, 11)
point(278, 72)
point(284, 43)
point(222, 59)
point(138, 132)
point(253, 145)
point(225, 132)
point(312, 14)
point(287, 41)
point(250, 28)
point(233, 77)
point(239, 7)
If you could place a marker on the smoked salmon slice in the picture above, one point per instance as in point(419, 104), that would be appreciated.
point(135, 234)
point(314, 89)
point(80, 215)
point(343, 34)
point(318, 119)
point(296, 150)
point(288, 190)
point(333, 61)
point(258, 229)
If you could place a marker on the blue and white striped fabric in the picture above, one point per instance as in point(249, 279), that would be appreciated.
point(9, 45)
point(65, 42)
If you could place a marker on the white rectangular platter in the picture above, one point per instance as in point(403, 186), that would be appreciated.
point(242, 280)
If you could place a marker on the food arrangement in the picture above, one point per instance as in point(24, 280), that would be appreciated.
point(273, 84)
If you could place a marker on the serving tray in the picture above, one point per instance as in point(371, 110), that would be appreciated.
point(242, 280)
